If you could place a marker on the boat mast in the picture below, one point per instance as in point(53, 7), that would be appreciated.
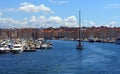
point(45, 35)
point(79, 28)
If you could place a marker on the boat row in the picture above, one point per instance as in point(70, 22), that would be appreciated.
point(21, 45)
point(116, 41)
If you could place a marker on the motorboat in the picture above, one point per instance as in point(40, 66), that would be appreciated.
point(4, 49)
point(17, 48)
point(46, 46)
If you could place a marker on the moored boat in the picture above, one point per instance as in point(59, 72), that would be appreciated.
point(79, 46)
point(4, 49)
point(17, 48)
point(46, 46)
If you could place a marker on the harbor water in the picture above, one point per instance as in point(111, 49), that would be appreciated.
point(63, 58)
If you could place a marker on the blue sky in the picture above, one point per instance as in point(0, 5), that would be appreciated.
point(55, 13)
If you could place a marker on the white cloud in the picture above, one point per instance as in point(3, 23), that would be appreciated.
point(27, 7)
point(52, 21)
point(1, 13)
point(70, 21)
point(89, 23)
point(113, 22)
point(7, 22)
point(92, 23)
point(37, 22)
point(58, 2)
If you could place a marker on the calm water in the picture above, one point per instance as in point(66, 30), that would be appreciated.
point(96, 58)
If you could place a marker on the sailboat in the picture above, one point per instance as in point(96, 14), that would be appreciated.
point(45, 44)
point(79, 46)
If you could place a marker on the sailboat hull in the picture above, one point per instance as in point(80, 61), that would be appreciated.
point(79, 47)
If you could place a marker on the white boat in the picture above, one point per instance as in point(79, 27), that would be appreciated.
point(17, 48)
point(38, 44)
point(4, 49)
point(46, 46)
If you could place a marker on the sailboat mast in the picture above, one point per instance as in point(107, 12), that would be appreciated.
point(79, 26)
